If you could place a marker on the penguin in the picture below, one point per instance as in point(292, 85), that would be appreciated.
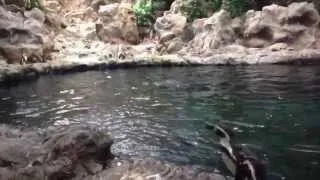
point(240, 162)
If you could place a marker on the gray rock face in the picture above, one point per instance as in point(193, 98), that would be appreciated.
point(24, 37)
point(118, 24)
point(295, 25)
point(173, 32)
point(57, 154)
point(213, 32)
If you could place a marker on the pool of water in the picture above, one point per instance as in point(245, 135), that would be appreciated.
point(163, 112)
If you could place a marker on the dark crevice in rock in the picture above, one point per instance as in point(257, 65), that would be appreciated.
point(306, 19)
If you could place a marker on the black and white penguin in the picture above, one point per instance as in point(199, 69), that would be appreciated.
point(241, 163)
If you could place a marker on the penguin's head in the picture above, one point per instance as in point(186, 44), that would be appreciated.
point(223, 133)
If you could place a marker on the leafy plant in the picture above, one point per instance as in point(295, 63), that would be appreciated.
point(194, 9)
point(215, 4)
point(29, 4)
point(237, 7)
point(143, 11)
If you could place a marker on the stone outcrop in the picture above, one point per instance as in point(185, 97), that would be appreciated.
point(118, 24)
point(296, 26)
point(62, 153)
point(213, 32)
point(173, 32)
point(24, 37)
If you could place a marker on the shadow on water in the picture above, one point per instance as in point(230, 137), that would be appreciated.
point(162, 112)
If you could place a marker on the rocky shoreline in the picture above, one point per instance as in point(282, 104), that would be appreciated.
point(16, 72)
point(79, 152)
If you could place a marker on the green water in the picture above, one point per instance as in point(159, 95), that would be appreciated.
point(163, 112)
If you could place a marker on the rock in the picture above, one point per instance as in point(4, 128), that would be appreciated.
point(120, 25)
point(24, 38)
point(143, 169)
point(172, 27)
point(55, 22)
point(172, 22)
point(55, 154)
point(78, 153)
point(175, 8)
point(214, 32)
point(79, 143)
point(35, 14)
point(278, 46)
point(96, 4)
point(108, 11)
point(295, 25)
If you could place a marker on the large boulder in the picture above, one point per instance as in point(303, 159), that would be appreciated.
point(295, 25)
point(173, 32)
point(118, 23)
point(24, 37)
point(213, 32)
point(63, 153)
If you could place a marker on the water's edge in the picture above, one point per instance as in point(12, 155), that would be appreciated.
point(10, 73)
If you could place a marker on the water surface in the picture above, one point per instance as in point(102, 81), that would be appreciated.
point(162, 112)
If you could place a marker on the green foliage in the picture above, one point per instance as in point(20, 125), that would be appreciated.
point(143, 11)
point(237, 7)
point(194, 9)
point(215, 4)
point(29, 4)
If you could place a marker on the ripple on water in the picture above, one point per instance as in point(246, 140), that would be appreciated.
point(162, 113)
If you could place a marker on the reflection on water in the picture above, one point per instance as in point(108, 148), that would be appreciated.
point(162, 112)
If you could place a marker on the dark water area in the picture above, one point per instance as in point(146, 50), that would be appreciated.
point(162, 112)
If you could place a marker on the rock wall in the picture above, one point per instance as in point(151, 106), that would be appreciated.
point(24, 36)
point(117, 24)
point(275, 28)
point(295, 26)
point(213, 32)
point(173, 32)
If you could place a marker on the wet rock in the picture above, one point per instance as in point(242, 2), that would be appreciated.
point(138, 169)
point(295, 25)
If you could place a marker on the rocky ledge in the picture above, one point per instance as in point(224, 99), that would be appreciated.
point(78, 152)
